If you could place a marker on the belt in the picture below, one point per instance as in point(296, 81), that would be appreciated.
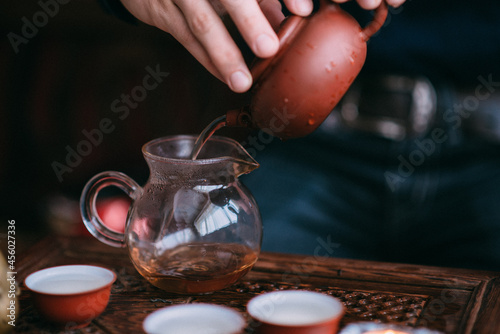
point(400, 107)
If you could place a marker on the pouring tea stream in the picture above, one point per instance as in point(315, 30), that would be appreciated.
point(209, 130)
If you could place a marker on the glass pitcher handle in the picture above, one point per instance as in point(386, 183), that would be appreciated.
point(88, 208)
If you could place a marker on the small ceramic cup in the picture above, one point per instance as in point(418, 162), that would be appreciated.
point(195, 318)
point(295, 312)
point(71, 296)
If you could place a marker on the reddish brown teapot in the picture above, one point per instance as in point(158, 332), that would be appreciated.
point(319, 58)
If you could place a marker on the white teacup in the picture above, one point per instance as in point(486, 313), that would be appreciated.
point(195, 318)
point(295, 312)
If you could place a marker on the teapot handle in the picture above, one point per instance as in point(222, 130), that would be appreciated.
point(377, 22)
point(88, 208)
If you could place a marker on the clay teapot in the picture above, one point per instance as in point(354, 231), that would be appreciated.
point(318, 59)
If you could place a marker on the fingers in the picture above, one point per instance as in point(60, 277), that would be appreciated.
point(253, 26)
point(299, 7)
point(210, 33)
point(365, 4)
point(273, 12)
point(166, 16)
point(372, 4)
point(304, 7)
point(369, 4)
point(395, 3)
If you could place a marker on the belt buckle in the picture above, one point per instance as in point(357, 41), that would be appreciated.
point(392, 106)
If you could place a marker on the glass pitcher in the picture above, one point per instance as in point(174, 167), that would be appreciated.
point(194, 227)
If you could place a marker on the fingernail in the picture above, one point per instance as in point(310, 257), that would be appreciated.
point(240, 82)
point(266, 46)
point(395, 3)
point(369, 4)
point(304, 7)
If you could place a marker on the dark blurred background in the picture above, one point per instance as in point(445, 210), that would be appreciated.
point(60, 79)
point(63, 63)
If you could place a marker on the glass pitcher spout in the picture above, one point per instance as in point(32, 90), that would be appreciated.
point(219, 157)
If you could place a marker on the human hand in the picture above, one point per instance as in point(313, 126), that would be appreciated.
point(198, 26)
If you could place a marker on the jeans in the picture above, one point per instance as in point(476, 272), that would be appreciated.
point(347, 194)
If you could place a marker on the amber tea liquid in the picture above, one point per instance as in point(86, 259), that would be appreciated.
point(198, 268)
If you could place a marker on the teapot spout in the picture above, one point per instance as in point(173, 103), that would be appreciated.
point(239, 118)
